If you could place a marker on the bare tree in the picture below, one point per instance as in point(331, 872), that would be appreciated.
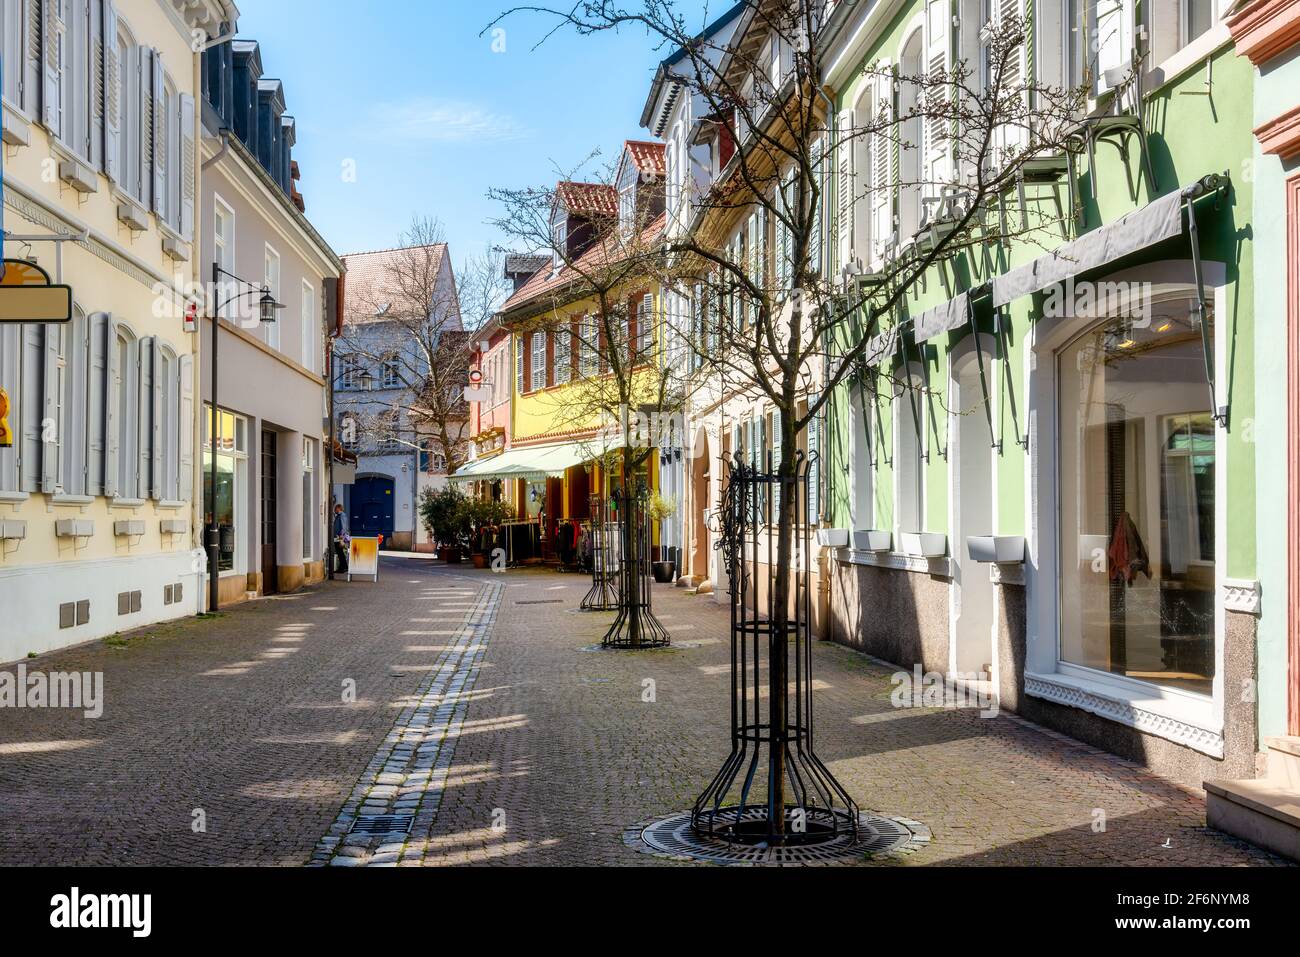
point(779, 321)
point(406, 323)
point(613, 360)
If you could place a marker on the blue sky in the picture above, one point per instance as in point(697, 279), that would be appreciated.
point(432, 116)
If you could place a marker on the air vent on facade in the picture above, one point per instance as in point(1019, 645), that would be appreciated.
point(83, 613)
point(68, 615)
point(129, 602)
point(167, 594)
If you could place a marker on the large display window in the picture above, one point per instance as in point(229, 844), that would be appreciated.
point(1136, 447)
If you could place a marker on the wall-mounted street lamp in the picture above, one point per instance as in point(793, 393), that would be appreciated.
point(267, 307)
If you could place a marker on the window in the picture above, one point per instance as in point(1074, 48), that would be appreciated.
point(309, 530)
point(861, 479)
point(645, 327)
point(909, 453)
point(10, 372)
point(539, 361)
point(1136, 487)
point(223, 253)
point(126, 390)
point(391, 374)
point(1173, 24)
point(73, 381)
point(15, 74)
point(563, 355)
point(271, 279)
point(519, 365)
point(588, 346)
point(169, 426)
point(229, 505)
point(310, 329)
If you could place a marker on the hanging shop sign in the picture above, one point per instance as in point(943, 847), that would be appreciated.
point(28, 295)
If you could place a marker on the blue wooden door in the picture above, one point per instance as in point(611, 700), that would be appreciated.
point(372, 508)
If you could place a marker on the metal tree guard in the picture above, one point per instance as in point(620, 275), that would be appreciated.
point(798, 800)
point(604, 592)
point(636, 625)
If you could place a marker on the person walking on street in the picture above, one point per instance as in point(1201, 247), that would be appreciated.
point(340, 540)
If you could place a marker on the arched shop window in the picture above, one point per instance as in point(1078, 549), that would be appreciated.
point(1136, 487)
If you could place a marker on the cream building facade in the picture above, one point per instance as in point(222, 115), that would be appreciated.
point(97, 515)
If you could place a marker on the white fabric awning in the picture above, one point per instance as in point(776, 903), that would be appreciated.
point(1153, 223)
point(535, 462)
point(951, 315)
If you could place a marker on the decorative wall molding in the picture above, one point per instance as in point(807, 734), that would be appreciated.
point(1265, 28)
point(1281, 136)
point(1126, 713)
point(1241, 596)
point(1007, 574)
point(938, 567)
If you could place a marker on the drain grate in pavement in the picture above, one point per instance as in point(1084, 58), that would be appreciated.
point(383, 824)
point(542, 601)
point(674, 838)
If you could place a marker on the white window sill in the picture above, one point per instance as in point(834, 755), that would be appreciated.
point(1185, 719)
point(1192, 55)
point(898, 561)
point(14, 497)
point(127, 503)
point(173, 506)
point(59, 498)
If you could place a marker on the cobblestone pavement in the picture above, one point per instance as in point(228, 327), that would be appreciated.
point(482, 713)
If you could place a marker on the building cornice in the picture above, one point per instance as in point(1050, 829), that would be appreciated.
point(205, 15)
point(1281, 136)
point(1266, 28)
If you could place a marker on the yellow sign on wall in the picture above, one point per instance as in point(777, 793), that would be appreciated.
point(6, 433)
point(28, 295)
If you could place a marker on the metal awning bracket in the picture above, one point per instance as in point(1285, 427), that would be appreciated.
point(1218, 185)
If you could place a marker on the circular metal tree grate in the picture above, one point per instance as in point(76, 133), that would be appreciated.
point(673, 837)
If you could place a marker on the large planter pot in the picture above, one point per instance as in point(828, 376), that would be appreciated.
point(873, 540)
point(996, 549)
point(480, 559)
point(925, 544)
point(450, 554)
point(833, 537)
point(664, 572)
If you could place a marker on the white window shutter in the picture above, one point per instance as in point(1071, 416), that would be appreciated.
point(111, 85)
point(776, 460)
point(882, 168)
point(816, 155)
point(51, 424)
point(814, 469)
point(844, 188)
point(31, 406)
point(158, 129)
point(112, 427)
point(50, 110)
point(141, 427)
point(97, 401)
point(188, 166)
point(144, 67)
point(157, 447)
point(937, 64)
point(645, 325)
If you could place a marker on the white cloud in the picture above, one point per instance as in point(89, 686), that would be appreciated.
point(444, 121)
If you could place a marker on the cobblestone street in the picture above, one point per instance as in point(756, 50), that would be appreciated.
point(483, 715)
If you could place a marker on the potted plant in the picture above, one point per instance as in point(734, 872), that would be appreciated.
point(444, 515)
point(659, 510)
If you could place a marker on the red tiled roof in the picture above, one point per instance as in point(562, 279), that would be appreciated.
point(368, 274)
point(546, 280)
point(588, 199)
point(647, 157)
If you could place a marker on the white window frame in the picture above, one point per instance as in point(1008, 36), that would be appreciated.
point(310, 326)
point(1193, 720)
point(223, 252)
point(272, 267)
